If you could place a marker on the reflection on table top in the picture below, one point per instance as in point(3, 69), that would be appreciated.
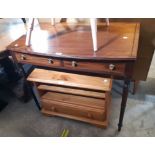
point(118, 41)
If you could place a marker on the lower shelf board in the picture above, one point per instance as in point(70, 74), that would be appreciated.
point(101, 124)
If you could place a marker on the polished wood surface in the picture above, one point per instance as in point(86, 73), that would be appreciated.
point(36, 60)
point(71, 80)
point(10, 30)
point(146, 45)
point(118, 41)
point(112, 68)
point(115, 57)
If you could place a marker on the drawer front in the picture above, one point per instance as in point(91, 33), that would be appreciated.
point(73, 110)
point(86, 66)
point(36, 60)
point(114, 68)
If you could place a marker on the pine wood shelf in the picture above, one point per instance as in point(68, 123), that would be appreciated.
point(73, 96)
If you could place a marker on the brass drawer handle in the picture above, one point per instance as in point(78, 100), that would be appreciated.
point(74, 64)
point(111, 66)
point(50, 61)
point(23, 57)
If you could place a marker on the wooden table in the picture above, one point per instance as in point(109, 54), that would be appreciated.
point(69, 48)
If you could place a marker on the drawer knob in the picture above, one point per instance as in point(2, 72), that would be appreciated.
point(111, 66)
point(53, 108)
point(23, 57)
point(50, 61)
point(74, 64)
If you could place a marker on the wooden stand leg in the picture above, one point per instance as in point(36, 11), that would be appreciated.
point(34, 96)
point(123, 103)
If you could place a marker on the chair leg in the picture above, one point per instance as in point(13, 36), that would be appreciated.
point(93, 23)
point(107, 21)
point(135, 86)
point(30, 28)
point(53, 21)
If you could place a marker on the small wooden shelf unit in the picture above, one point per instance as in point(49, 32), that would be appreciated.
point(73, 96)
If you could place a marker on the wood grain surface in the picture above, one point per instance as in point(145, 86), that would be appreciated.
point(118, 41)
point(70, 80)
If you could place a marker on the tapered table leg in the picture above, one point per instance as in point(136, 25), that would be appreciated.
point(123, 103)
